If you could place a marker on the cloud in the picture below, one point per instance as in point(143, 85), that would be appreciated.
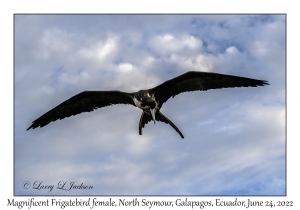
point(168, 43)
point(234, 138)
point(103, 51)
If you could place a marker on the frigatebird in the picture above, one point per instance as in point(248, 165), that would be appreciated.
point(150, 100)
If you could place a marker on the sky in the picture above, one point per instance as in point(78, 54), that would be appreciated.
point(234, 138)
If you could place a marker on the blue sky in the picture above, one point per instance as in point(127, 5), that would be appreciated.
point(234, 138)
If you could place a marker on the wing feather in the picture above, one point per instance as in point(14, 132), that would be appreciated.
point(200, 81)
point(86, 101)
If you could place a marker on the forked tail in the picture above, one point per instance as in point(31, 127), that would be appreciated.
point(146, 117)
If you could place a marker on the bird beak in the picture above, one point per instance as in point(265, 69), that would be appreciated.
point(153, 114)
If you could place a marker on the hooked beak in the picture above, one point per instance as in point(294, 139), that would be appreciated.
point(153, 114)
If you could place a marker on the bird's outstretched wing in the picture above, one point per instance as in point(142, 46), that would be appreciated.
point(86, 101)
point(193, 81)
point(146, 117)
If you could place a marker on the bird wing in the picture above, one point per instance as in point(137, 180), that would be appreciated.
point(193, 81)
point(86, 101)
point(146, 117)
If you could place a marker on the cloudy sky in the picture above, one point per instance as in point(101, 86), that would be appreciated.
point(234, 138)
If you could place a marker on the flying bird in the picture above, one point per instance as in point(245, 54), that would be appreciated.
point(150, 100)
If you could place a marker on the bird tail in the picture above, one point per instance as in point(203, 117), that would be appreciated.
point(146, 117)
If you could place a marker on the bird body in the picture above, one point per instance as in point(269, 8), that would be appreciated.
point(150, 100)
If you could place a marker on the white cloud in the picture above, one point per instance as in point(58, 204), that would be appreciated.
point(200, 62)
point(168, 43)
point(101, 51)
point(130, 53)
point(125, 67)
point(232, 50)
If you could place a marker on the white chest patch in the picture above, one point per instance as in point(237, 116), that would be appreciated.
point(138, 104)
